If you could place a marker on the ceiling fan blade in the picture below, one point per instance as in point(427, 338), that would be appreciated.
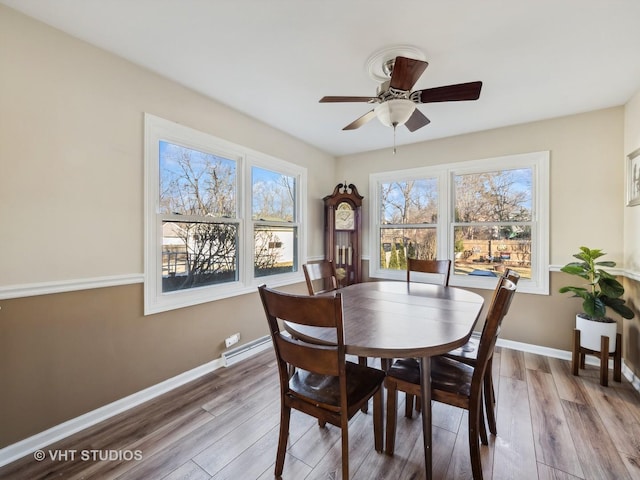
point(416, 120)
point(406, 72)
point(361, 121)
point(451, 93)
point(345, 99)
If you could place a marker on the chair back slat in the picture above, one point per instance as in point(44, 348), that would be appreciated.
point(321, 359)
point(512, 275)
point(320, 277)
point(439, 267)
point(325, 311)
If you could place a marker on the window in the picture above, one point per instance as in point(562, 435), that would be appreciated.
point(485, 215)
point(273, 215)
point(205, 239)
point(408, 221)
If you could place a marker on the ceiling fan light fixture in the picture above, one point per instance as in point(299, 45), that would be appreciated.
point(395, 112)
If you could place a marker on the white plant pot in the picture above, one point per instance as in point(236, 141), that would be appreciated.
point(590, 333)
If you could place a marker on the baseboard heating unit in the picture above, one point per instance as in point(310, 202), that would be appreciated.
point(247, 350)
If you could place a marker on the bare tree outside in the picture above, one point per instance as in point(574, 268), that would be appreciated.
point(273, 196)
point(409, 202)
point(196, 183)
point(502, 196)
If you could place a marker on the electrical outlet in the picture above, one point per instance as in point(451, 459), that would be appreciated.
point(232, 340)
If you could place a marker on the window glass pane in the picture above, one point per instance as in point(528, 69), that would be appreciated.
point(198, 254)
point(273, 195)
point(399, 243)
point(503, 196)
point(412, 201)
point(196, 183)
point(275, 249)
point(488, 250)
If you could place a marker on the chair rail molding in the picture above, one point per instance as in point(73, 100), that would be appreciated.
point(62, 286)
point(622, 272)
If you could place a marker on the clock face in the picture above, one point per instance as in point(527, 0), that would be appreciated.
point(345, 217)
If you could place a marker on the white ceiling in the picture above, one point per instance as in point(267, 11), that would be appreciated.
point(274, 59)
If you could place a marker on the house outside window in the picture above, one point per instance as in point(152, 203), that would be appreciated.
point(485, 215)
point(220, 218)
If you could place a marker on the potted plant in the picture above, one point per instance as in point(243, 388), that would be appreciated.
point(600, 292)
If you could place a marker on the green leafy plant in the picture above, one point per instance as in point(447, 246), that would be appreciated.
point(601, 291)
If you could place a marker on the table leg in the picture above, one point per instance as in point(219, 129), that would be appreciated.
point(425, 389)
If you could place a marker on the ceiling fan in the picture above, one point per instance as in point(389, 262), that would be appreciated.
point(396, 103)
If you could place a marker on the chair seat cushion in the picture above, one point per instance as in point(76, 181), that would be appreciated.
point(467, 353)
point(362, 381)
point(446, 374)
point(405, 369)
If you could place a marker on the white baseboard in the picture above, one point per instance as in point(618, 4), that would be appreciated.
point(629, 375)
point(566, 355)
point(530, 348)
point(29, 445)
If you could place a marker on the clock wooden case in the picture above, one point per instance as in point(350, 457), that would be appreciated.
point(343, 232)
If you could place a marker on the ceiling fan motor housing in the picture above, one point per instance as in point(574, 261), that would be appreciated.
point(386, 92)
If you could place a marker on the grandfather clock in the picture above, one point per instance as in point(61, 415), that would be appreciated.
point(343, 232)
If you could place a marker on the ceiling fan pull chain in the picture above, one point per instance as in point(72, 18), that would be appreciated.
point(394, 138)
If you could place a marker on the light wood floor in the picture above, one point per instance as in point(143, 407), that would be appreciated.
point(551, 425)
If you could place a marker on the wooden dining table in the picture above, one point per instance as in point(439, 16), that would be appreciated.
point(392, 319)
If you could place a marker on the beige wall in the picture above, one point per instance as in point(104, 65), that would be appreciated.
point(71, 209)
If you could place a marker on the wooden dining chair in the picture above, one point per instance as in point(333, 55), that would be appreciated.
point(324, 384)
point(468, 354)
point(320, 277)
point(441, 268)
point(453, 382)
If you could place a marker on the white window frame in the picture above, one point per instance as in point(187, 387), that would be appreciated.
point(375, 180)
point(157, 129)
point(537, 161)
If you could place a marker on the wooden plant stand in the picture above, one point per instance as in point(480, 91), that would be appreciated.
point(578, 356)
